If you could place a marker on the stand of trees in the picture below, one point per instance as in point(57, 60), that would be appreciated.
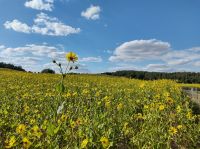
point(11, 66)
point(48, 71)
point(181, 77)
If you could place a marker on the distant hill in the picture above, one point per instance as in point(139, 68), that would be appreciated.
point(181, 77)
point(11, 66)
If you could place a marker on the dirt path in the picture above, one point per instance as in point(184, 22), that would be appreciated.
point(194, 94)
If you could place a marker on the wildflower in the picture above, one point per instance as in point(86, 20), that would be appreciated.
point(20, 129)
point(189, 115)
point(72, 124)
point(78, 121)
point(36, 131)
point(178, 109)
point(105, 142)
point(172, 130)
point(170, 100)
point(63, 117)
point(71, 57)
point(107, 104)
point(26, 109)
point(146, 106)
point(142, 85)
point(84, 143)
point(125, 128)
point(26, 143)
point(179, 126)
point(119, 106)
point(32, 121)
point(11, 142)
point(161, 107)
point(139, 116)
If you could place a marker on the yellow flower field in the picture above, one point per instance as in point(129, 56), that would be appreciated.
point(94, 112)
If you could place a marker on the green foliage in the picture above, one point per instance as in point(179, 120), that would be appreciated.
point(181, 77)
point(11, 66)
point(48, 71)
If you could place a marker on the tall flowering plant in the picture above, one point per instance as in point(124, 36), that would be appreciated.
point(71, 57)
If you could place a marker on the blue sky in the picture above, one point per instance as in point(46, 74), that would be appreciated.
point(107, 35)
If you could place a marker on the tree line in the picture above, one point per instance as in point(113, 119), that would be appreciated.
point(11, 66)
point(180, 77)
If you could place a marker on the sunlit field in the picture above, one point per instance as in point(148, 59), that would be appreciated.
point(94, 112)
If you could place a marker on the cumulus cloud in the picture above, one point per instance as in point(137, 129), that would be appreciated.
point(91, 13)
point(140, 49)
point(40, 4)
point(17, 26)
point(149, 51)
point(30, 56)
point(35, 57)
point(159, 68)
point(91, 59)
point(33, 49)
point(43, 24)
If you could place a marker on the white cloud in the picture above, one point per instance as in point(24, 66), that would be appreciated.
point(30, 56)
point(33, 49)
point(158, 68)
point(40, 4)
point(35, 57)
point(17, 26)
point(91, 59)
point(91, 13)
point(43, 24)
point(150, 51)
point(140, 49)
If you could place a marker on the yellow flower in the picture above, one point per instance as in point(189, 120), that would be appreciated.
point(11, 142)
point(36, 131)
point(26, 143)
point(146, 106)
point(139, 116)
point(32, 121)
point(73, 124)
point(172, 130)
point(20, 129)
point(189, 115)
point(84, 143)
point(107, 104)
point(179, 126)
point(170, 100)
point(161, 107)
point(119, 106)
point(71, 57)
point(63, 117)
point(178, 109)
point(79, 121)
point(125, 128)
point(105, 142)
point(26, 108)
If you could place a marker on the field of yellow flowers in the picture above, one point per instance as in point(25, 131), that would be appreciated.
point(94, 112)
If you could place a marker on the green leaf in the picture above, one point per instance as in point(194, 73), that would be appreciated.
point(56, 130)
point(60, 87)
point(50, 129)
